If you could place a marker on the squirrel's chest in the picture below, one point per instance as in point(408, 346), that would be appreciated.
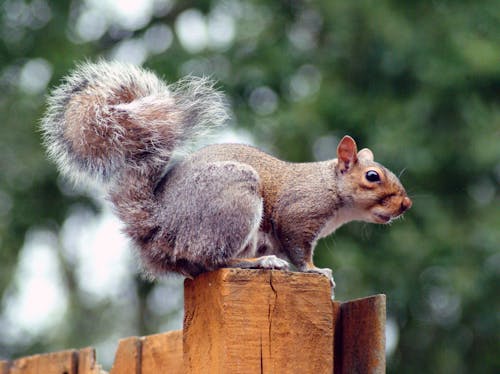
point(337, 220)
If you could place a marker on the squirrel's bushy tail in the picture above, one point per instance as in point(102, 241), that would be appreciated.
point(108, 117)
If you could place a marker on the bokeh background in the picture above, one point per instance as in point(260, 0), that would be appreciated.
point(416, 81)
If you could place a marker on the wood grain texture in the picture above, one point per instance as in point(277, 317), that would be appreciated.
point(337, 334)
point(128, 356)
point(258, 321)
point(162, 353)
point(50, 363)
point(87, 363)
point(4, 367)
point(362, 340)
point(245, 321)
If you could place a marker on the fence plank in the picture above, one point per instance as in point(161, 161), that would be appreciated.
point(4, 367)
point(162, 353)
point(87, 363)
point(128, 356)
point(246, 321)
point(362, 341)
point(337, 334)
point(50, 363)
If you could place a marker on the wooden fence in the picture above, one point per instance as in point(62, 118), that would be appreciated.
point(245, 321)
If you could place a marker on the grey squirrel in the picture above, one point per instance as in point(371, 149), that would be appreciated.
point(226, 205)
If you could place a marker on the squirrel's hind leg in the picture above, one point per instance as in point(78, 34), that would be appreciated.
point(263, 262)
point(216, 212)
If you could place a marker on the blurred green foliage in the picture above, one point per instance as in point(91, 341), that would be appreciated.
point(417, 81)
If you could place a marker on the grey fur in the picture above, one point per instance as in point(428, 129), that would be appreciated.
point(107, 93)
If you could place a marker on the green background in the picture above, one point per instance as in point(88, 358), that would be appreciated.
point(418, 82)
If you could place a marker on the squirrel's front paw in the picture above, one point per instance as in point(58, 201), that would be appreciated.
point(324, 271)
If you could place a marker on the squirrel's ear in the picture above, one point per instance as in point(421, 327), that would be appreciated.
point(347, 153)
point(365, 154)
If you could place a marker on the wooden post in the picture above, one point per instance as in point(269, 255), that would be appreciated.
point(161, 352)
point(337, 335)
point(360, 347)
point(245, 321)
point(128, 356)
point(4, 367)
point(256, 321)
point(87, 363)
point(58, 362)
point(70, 362)
point(150, 354)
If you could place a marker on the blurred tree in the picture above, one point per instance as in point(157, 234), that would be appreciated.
point(417, 82)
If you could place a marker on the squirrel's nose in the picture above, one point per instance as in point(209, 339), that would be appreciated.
point(406, 204)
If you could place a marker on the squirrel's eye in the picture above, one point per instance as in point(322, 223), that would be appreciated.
point(372, 176)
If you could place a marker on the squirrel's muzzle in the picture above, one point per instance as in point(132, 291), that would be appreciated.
point(406, 204)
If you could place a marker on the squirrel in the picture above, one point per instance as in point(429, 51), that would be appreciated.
point(225, 205)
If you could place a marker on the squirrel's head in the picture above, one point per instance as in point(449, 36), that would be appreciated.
point(374, 193)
